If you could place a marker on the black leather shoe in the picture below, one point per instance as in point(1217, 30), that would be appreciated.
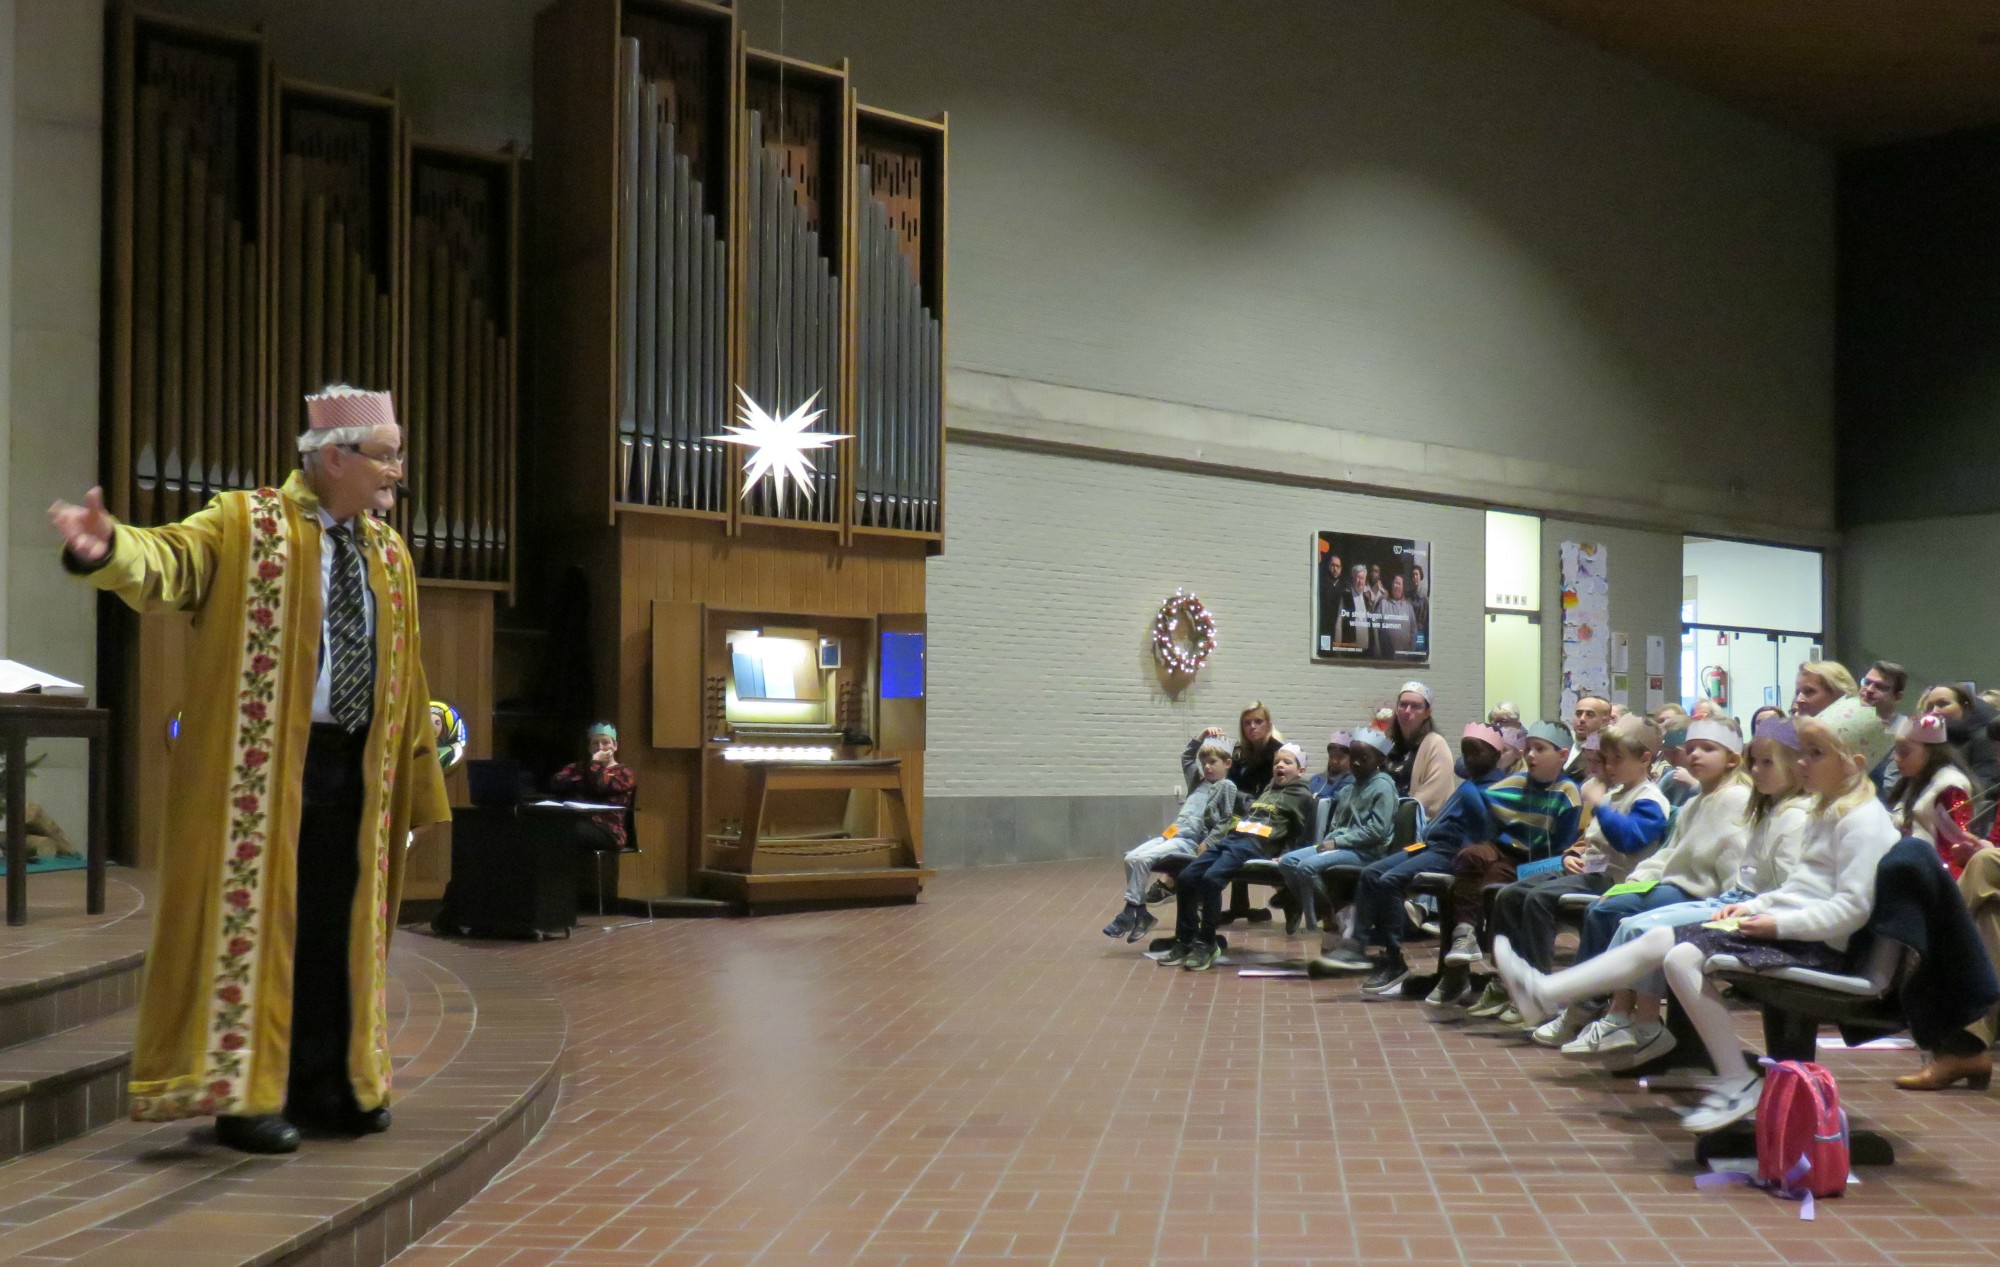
point(365, 1122)
point(265, 1133)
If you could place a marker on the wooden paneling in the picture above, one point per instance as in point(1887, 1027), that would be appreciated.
point(1847, 71)
point(677, 684)
point(667, 559)
point(458, 660)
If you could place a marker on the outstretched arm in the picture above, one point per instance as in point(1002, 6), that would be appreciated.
point(153, 569)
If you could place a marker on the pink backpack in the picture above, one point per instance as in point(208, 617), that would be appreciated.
point(1801, 1136)
point(1801, 1131)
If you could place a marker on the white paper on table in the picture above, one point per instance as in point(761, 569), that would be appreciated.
point(17, 678)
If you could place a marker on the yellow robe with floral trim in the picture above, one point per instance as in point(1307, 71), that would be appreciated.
point(215, 1015)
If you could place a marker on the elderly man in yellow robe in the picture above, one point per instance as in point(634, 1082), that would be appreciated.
point(306, 758)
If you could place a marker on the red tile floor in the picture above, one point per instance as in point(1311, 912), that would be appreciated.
point(983, 1078)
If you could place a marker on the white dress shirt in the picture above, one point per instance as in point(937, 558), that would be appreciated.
point(323, 689)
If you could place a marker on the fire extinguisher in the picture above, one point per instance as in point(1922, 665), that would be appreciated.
point(1715, 684)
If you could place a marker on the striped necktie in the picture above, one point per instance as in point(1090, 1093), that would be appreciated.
point(351, 697)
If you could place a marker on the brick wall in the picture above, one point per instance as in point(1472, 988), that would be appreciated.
point(1042, 681)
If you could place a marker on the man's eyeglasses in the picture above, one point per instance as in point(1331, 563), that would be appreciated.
point(380, 459)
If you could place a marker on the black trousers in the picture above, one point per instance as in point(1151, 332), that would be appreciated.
point(329, 866)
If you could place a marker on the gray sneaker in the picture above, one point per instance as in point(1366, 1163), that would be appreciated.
point(1492, 1001)
point(1464, 950)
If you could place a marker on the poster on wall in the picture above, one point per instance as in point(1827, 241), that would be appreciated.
point(1371, 599)
point(1586, 617)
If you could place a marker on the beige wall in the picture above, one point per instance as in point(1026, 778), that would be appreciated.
point(1042, 679)
point(1920, 592)
point(52, 350)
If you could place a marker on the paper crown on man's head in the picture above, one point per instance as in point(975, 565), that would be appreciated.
point(345, 415)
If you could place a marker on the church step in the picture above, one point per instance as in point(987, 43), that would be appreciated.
point(64, 968)
point(59, 1086)
point(477, 1046)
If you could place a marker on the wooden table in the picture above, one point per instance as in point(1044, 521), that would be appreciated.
point(757, 867)
point(25, 717)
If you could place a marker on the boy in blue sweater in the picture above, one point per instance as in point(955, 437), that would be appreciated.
point(1378, 899)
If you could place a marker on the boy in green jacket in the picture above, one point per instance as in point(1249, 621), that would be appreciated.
point(1278, 819)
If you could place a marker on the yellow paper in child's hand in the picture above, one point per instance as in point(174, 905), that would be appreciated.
point(1173, 830)
point(1256, 829)
point(1729, 925)
point(1419, 847)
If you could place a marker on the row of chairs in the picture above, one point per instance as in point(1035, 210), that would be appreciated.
point(1794, 1002)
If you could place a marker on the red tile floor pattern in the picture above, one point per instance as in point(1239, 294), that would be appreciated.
point(984, 1078)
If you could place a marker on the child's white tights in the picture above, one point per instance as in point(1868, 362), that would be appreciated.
point(1620, 967)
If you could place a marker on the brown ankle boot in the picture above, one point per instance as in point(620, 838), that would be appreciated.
point(1944, 1071)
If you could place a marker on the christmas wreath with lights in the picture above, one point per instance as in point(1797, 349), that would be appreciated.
point(1181, 652)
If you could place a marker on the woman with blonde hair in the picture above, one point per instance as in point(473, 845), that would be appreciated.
point(1257, 742)
point(1818, 684)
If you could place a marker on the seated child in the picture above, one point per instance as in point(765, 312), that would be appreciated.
point(1339, 774)
point(1358, 832)
point(1628, 821)
point(1670, 772)
point(1378, 898)
point(1536, 815)
point(1702, 856)
point(1279, 818)
point(1211, 805)
point(1805, 922)
point(1777, 816)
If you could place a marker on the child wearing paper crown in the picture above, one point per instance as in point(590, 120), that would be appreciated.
point(1805, 922)
point(1628, 821)
point(1776, 817)
point(1934, 794)
point(1536, 816)
point(1280, 817)
point(1701, 858)
point(1207, 809)
point(1378, 897)
point(1362, 823)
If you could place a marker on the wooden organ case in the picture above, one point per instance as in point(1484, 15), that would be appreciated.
point(265, 237)
point(716, 226)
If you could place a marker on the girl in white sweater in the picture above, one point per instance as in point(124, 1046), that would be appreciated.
point(1775, 817)
point(1805, 922)
point(1699, 860)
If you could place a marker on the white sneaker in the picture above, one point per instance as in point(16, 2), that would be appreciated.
point(1589, 1044)
point(1562, 1029)
point(1635, 1045)
point(1510, 1016)
point(1725, 1104)
point(1522, 983)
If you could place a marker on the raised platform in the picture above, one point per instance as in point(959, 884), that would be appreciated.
point(477, 1048)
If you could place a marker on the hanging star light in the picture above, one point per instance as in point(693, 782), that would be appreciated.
point(779, 447)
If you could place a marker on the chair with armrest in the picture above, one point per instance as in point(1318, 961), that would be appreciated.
point(1795, 1003)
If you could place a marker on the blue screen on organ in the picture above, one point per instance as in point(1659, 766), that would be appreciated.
point(902, 665)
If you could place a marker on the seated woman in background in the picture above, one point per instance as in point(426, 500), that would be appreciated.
point(1420, 758)
point(602, 781)
point(1934, 783)
point(1281, 818)
point(1818, 684)
point(1257, 744)
point(1966, 724)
